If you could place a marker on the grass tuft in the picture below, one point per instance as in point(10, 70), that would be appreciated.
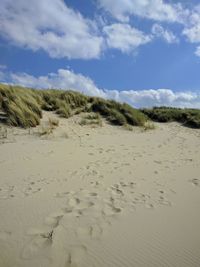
point(117, 113)
point(91, 119)
point(53, 122)
point(149, 126)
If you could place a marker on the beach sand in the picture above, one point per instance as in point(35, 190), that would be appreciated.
point(100, 197)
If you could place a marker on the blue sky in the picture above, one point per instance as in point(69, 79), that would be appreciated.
point(144, 52)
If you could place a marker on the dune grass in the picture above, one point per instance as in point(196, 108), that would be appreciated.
point(187, 117)
point(117, 113)
point(23, 106)
point(92, 119)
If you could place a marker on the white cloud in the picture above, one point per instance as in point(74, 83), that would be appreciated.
point(159, 97)
point(151, 9)
point(192, 28)
point(160, 32)
point(124, 37)
point(63, 79)
point(193, 32)
point(197, 52)
point(50, 26)
point(61, 32)
point(67, 79)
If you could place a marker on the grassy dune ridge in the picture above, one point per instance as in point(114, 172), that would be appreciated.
point(23, 107)
point(187, 117)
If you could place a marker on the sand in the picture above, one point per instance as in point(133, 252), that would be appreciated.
point(102, 197)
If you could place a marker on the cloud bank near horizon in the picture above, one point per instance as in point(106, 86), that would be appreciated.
point(68, 80)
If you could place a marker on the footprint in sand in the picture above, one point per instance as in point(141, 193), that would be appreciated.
point(61, 194)
point(164, 201)
point(94, 231)
point(116, 189)
point(149, 206)
point(75, 256)
point(6, 192)
point(54, 219)
point(111, 210)
point(39, 244)
point(195, 182)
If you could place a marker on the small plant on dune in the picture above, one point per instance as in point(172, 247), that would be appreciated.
point(149, 126)
point(63, 110)
point(53, 122)
point(128, 127)
point(46, 131)
point(83, 122)
point(116, 118)
point(91, 119)
point(3, 132)
point(49, 128)
point(94, 116)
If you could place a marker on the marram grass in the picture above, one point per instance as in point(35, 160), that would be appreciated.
point(23, 107)
point(187, 117)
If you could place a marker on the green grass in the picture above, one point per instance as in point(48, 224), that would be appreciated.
point(117, 113)
point(23, 107)
point(187, 117)
point(91, 119)
point(149, 126)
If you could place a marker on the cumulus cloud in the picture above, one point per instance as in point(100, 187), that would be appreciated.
point(63, 79)
point(50, 26)
point(193, 33)
point(124, 37)
point(197, 52)
point(67, 79)
point(159, 97)
point(192, 28)
point(168, 36)
point(151, 9)
point(62, 32)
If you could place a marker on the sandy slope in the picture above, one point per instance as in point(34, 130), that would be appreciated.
point(102, 197)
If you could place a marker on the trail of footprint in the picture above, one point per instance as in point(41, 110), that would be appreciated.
point(85, 217)
point(6, 192)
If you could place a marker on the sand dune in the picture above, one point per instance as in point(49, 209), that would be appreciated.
point(102, 196)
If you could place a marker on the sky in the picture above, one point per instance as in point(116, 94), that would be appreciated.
point(143, 52)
